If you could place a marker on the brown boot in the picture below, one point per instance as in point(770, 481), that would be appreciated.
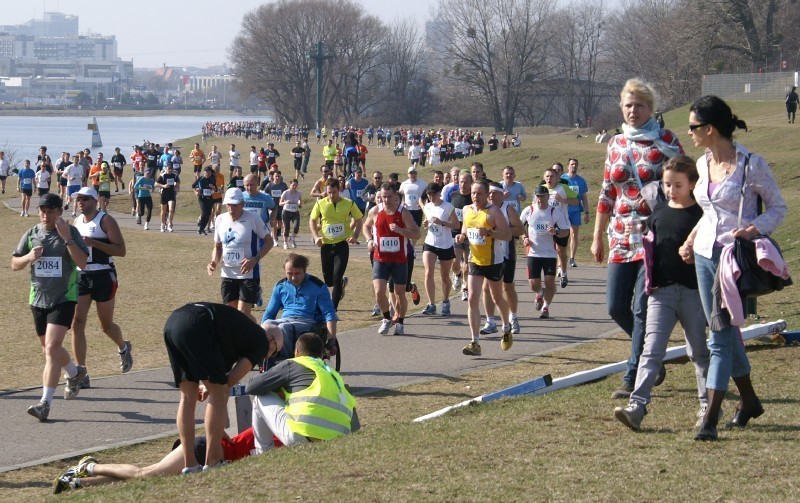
point(749, 406)
point(708, 430)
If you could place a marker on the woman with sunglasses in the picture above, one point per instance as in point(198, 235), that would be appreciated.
point(718, 191)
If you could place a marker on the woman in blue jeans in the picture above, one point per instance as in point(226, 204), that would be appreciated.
point(721, 168)
point(645, 146)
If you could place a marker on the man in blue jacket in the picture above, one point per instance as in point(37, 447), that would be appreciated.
point(305, 302)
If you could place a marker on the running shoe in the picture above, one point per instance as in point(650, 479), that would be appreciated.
point(385, 326)
point(572, 263)
point(73, 385)
point(506, 340)
point(376, 311)
point(169, 228)
point(285, 246)
point(126, 358)
point(472, 349)
point(558, 272)
point(147, 226)
point(399, 329)
point(344, 286)
point(514, 326)
point(464, 295)
point(445, 308)
point(40, 411)
point(489, 328)
point(539, 302)
point(64, 482)
point(545, 314)
point(80, 470)
point(192, 469)
point(138, 220)
point(457, 282)
point(564, 281)
point(429, 309)
point(631, 415)
point(294, 243)
point(163, 228)
point(86, 383)
point(414, 294)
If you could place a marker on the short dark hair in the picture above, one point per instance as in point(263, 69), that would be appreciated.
point(310, 344)
point(332, 182)
point(683, 164)
point(297, 260)
point(433, 188)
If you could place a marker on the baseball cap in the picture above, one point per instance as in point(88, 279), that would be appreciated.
point(86, 191)
point(412, 169)
point(50, 200)
point(541, 190)
point(209, 168)
point(233, 196)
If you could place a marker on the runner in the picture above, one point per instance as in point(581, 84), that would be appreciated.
point(496, 198)
point(215, 158)
point(118, 164)
point(297, 155)
point(440, 219)
point(238, 250)
point(355, 187)
point(460, 199)
point(144, 198)
point(256, 202)
point(198, 158)
point(291, 201)
point(204, 187)
point(393, 226)
point(98, 279)
point(61, 165)
point(236, 179)
point(561, 197)
point(25, 181)
point(484, 227)
point(234, 157)
point(53, 250)
point(335, 224)
point(543, 224)
point(579, 213)
point(216, 196)
point(276, 188)
point(5, 168)
point(42, 180)
point(514, 192)
point(318, 190)
point(104, 177)
point(170, 184)
point(412, 190)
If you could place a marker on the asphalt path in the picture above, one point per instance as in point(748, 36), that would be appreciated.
point(141, 405)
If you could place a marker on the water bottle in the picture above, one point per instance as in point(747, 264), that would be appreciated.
point(635, 237)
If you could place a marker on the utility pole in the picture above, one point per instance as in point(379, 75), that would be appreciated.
point(319, 57)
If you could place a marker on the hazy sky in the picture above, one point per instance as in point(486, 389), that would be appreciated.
point(206, 27)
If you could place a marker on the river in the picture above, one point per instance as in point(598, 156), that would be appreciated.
point(23, 135)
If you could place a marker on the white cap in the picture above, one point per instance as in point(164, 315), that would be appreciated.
point(412, 169)
point(233, 196)
point(86, 191)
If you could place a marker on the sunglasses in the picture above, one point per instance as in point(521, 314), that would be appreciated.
point(84, 198)
point(692, 127)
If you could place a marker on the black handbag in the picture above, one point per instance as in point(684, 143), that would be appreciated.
point(754, 280)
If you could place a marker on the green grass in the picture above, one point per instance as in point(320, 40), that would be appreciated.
point(563, 447)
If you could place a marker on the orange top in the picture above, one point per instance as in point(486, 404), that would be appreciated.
point(220, 178)
point(94, 174)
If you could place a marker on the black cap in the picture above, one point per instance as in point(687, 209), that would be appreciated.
point(50, 200)
point(541, 190)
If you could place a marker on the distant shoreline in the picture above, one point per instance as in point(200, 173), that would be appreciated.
point(60, 112)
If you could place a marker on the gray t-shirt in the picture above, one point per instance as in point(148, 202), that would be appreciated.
point(514, 191)
point(54, 277)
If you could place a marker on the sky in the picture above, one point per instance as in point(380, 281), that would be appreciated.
point(207, 27)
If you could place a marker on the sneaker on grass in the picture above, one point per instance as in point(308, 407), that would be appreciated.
point(631, 415)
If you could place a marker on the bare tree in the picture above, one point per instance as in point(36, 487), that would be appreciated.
point(497, 50)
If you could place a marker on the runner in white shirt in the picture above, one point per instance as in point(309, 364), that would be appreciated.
point(237, 234)
point(412, 190)
point(543, 222)
point(440, 220)
point(5, 167)
point(234, 156)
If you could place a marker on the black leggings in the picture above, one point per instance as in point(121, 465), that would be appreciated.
point(288, 218)
point(334, 264)
point(205, 212)
point(146, 202)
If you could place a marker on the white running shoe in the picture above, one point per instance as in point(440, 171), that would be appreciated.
point(385, 326)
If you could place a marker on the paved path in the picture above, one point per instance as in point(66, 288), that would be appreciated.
point(130, 408)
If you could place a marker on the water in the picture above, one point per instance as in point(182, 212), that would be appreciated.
point(25, 134)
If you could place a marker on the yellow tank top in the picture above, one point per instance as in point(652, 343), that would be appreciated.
point(481, 248)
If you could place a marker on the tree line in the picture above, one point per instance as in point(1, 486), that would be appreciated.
point(507, 62)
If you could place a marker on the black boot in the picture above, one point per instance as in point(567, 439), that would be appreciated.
point(749, 406)
point(708, 430)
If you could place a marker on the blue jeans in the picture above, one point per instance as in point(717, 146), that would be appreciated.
point(292, 328)
point(627, 306)
point(728, 357)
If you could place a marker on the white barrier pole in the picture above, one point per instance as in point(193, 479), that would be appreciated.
point(585, 376)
